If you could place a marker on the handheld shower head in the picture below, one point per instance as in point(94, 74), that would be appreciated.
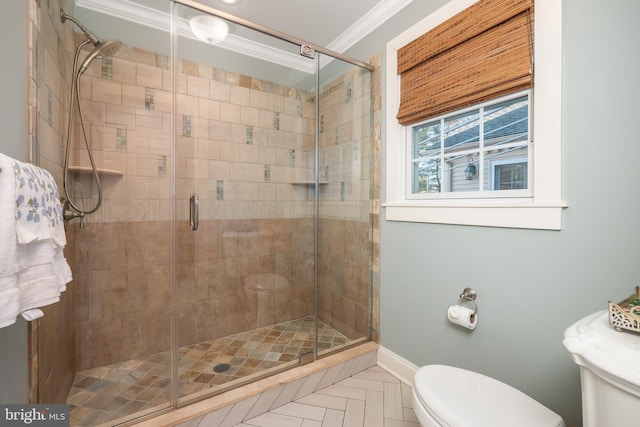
point(108, 48)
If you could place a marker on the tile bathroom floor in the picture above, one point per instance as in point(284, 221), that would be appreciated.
point(118, 390)
point(371, 398)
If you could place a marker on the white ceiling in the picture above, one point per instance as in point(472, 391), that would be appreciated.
point(319, 22)
point(333, 24)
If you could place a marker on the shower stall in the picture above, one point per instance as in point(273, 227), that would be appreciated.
point(236, 230)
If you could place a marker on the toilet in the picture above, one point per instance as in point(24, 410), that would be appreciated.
point(610, 379)
point(445, 396)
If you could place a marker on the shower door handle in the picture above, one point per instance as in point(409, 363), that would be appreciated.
point(194, 212)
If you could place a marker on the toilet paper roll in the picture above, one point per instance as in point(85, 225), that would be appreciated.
point(461, 316)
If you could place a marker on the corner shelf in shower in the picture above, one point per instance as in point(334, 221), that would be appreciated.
point(309, 183)
point(88, 170)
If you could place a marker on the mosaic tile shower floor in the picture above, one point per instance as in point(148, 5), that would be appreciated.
point(115, 391)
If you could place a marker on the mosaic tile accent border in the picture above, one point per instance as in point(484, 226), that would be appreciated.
point(149, 98)
point(219, 190)
point(162, 165)
point(107, 68)
point(121, 140)
point(186, 125)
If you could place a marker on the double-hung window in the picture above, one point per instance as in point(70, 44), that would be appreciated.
point(472, 153)
point(473, 118)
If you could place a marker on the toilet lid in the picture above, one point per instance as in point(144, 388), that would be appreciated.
point(456, 397)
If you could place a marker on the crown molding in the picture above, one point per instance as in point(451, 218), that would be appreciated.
point(154, 18)
point(369, 22)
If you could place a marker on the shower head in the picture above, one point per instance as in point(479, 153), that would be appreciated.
point(108, 48)
point(95, 41)
point(100, 48)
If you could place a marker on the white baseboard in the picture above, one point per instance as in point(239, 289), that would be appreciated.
point(397, 365)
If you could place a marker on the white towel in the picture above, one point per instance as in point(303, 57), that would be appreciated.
point(10, 303)
point(38, 286)
point(38, 208)
point(32, 314)
point(33, 270)
point(62, 270)
point(8, 262)
point(34, 253)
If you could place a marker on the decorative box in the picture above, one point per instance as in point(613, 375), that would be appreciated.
point(626, 314)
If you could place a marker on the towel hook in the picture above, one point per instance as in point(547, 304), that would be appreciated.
point(469, 294)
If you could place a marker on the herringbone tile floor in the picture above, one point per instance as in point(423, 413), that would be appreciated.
point(371, 398)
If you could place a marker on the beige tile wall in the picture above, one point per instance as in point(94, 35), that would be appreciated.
point(52, 338)
point(345, 226)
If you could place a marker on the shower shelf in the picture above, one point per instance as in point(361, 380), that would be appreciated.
point(309, 183)
point(86, 170)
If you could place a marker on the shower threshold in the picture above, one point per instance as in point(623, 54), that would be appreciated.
point(127, 389)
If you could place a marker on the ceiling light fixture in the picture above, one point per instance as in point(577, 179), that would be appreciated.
point(230, 1)
point(209, 29)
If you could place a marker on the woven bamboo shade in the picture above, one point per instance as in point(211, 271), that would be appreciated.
point(479, 54)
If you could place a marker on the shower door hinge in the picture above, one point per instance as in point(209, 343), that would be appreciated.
point(308, 51)
point(306, 358)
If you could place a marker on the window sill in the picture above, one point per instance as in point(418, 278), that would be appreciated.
point(540, 216)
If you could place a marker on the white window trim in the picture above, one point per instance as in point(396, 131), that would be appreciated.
point(543, 210)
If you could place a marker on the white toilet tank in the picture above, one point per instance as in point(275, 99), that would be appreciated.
point(609, 364)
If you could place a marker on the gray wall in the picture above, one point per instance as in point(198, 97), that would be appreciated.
point(533, 284)
point(13, 339)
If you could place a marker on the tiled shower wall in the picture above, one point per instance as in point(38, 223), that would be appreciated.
point(246, 147)
point(345, 238)
point(241, 145)
point(52, 338)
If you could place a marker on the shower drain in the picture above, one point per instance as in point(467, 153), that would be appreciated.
point(222, 367)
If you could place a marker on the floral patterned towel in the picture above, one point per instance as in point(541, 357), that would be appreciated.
point(38, 208)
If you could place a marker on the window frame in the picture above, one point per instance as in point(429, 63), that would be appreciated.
point(481, 151)
point(542, 209)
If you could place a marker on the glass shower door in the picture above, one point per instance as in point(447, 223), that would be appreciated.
point(245, 156)
point(345, 228)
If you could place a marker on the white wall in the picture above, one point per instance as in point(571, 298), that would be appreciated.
point(13, 45)
point(532, 284)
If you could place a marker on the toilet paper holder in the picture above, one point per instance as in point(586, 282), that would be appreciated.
point(469, 294)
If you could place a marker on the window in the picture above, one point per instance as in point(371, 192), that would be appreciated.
point(509, 174)
point(464, 166)
point(462, 151)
